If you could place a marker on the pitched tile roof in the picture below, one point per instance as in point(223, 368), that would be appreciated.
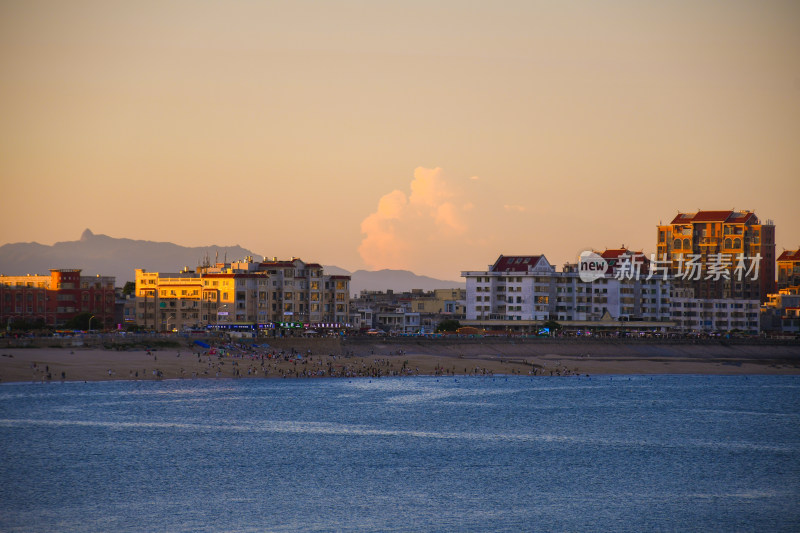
point(790, 255)
point(515, 263)
point(714, 216)
point(613, 254)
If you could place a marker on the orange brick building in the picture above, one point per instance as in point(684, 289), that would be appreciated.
point(57, 298)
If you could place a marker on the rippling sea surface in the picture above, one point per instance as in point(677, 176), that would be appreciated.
point(610, 453)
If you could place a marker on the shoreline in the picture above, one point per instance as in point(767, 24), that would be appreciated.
point(325, 358)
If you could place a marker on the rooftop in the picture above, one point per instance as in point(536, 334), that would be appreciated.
point(790, 255)
point(730, 216)
point(515, 263)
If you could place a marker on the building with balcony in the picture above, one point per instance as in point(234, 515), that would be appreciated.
point(520, 293)
point(720, 254)
point(714, 315)
point(415, 311)
point(788, 269)
point(243, 295)
point(301, 293)
point(779, 314)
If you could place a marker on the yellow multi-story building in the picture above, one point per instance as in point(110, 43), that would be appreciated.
point(720, 254)
point(185, 300)
point(242, 295)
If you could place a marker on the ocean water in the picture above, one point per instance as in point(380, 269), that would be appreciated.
point(609, 453)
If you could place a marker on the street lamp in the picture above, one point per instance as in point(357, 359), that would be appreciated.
point(90, 322)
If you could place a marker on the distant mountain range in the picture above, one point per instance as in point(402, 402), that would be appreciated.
point(109, 256)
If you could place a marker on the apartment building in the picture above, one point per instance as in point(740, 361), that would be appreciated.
point(56, 298)
point(781, 312)
point(720, 254)
point(301, 293)
point(715, 314)
point(519, 293)
point(243, 295)
point(186, 300)
point(788, 264)
point(415, 311)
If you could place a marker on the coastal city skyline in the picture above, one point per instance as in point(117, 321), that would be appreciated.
point(294, 265)
point(429, 138)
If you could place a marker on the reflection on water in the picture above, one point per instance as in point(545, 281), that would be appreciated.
point(410, 454)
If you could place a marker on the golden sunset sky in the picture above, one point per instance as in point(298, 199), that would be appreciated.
point(428, 135)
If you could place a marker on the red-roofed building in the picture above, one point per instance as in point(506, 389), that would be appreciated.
point(720, 254)
point(619, 257)
point(516, 263)
point(521, 292)
point(788, 269)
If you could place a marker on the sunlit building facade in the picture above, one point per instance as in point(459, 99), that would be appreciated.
point(242, 295)
point(781, 313)
point(720, 254)
point(56, 298)
point(788, 269)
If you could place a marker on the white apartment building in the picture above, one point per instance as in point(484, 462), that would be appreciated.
point(714, 315)
point(522, 292)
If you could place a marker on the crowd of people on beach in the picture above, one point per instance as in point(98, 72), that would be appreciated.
point(240, 360)
point(243, 360)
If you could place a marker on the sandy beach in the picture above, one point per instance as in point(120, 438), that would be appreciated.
point(303, 358)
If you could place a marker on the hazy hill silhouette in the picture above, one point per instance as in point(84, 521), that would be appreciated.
point(110, 256)
point(398, 281)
